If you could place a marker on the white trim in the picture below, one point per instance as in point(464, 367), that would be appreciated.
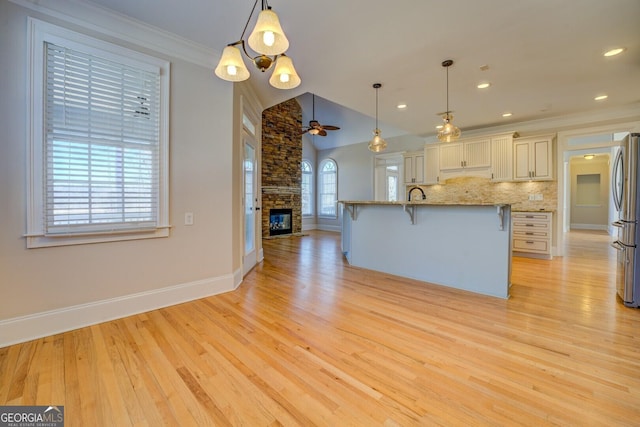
point(602, 227)
point(334, 228)
point(38, 325)
point(106, 22)
point(237, 278)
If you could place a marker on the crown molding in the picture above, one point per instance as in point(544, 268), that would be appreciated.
point(109, 23)
point(624, 114)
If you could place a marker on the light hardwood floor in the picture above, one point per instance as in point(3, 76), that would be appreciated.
point(308, 340)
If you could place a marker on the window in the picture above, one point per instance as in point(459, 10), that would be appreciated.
point(328, 184)
point(307, 188)
point(98, 165)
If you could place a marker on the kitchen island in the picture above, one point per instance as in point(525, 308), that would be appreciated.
point(464, 246)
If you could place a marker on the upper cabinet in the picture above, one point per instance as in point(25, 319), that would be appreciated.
point(465, 155)
point(432, 164)
point(414, 167)
point(502, 157)
point(532, 158)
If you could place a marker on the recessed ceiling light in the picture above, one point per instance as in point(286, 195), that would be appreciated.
point(589, 156)
point(614, 52)
point(483, 85)
point(402, 106)
point(600, 97)
point(507, 114)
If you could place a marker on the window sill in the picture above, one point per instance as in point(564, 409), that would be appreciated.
point(41, 241)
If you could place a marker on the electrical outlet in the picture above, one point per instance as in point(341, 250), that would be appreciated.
point(539, 196)
point(188, 218)
point(532, 196)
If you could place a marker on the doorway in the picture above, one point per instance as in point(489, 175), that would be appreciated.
point(602, 140)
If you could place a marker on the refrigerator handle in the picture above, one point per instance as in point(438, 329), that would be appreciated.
point(617, 180)
point(618, 246)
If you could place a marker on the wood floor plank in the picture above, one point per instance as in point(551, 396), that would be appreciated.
point(309, 340)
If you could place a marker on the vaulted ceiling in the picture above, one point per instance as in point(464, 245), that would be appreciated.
point(543, 58)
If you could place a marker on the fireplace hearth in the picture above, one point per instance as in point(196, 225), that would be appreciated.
point(280, 221)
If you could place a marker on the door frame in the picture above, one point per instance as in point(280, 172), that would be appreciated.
point(251, 124)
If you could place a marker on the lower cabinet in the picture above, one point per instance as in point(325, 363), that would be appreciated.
point(531, 234)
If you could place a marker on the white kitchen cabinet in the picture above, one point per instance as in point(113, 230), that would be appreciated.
point(414, 167)
point(432, 164)
point(465, 155)
point(502, 157)
point(531, 234)
point(532, 159)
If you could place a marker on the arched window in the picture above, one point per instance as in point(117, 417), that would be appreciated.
point(307, 188)
point(328, 188)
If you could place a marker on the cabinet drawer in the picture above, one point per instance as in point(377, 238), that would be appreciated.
point(529, 224)
point(529, 233)
point(532, 215)
point(530, 245)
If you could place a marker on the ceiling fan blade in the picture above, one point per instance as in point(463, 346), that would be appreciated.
point(322, 132)
point(329, 127)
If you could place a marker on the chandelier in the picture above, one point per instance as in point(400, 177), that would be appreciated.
point(449, 132)
point(377, 144)
point(270, 42)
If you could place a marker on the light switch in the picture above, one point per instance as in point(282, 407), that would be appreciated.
point(188, 218)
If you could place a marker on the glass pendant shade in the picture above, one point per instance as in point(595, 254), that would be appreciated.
point(377, 144)
point(284, 76)
point(231, 66)
point(449, 131)
point(267, 37)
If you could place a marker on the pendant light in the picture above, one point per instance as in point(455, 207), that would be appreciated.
point(377, 144)
point(449, 131)
point(269, 40)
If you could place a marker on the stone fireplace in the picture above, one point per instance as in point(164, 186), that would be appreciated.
point(281, 158)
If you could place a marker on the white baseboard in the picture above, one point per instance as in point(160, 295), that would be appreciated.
point(335, 228)
point(602, 227)
point(38, 325)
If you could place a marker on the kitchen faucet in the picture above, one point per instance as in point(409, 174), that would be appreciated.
point(424, 196)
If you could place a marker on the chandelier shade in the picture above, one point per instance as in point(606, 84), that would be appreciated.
point(231, 66)
point(377, 144)
point(267, 37)
point(269, 41)
point(449, 132)
point(284, 76)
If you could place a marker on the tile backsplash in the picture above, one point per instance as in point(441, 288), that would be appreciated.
point(482, 190)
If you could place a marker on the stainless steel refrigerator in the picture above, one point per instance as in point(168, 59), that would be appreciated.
point(625, 188)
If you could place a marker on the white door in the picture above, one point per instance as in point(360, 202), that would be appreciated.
point(249, 201)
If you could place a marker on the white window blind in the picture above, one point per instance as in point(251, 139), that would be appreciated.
point(101, 144)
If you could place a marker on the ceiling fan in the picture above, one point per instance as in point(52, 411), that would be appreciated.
point(315, 128)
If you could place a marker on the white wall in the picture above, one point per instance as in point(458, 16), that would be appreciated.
point(51, 289)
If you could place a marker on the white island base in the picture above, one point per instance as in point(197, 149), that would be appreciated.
point(461, 246)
